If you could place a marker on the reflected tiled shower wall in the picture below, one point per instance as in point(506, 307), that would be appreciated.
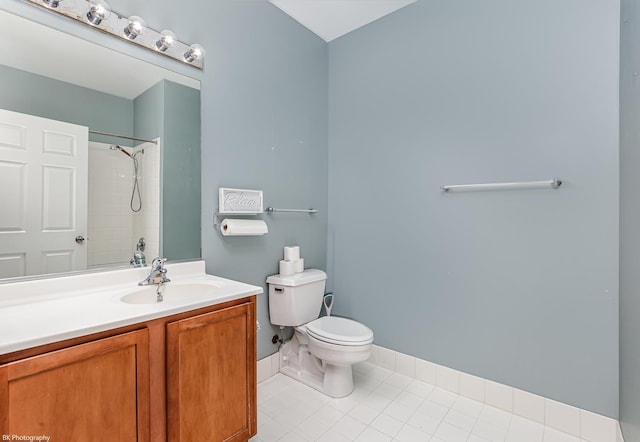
point(146, 223)
point(113, 228)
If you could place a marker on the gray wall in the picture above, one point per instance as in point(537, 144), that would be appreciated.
point(148, 108)
point(520, 287)
point(264, 127)
point(629, 222)
point(181, 167)
point(172, 112)
point(33, 94)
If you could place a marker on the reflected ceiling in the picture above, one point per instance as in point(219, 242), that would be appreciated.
point(47, 52)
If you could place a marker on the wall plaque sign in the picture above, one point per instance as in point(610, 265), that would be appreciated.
point(240, 201)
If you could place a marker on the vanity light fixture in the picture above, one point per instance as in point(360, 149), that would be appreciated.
point(195, 52)
point(135, 27)
point(166, 40)
point(98, 14)
point(51, 3)
point(98, 10)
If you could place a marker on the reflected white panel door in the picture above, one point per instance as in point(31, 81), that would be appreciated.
point(43, 195)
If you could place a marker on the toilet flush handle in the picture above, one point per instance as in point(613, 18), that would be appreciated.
point(328, 302)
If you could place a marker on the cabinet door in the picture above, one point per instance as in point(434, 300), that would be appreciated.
point(211, 376)
point(97, 391)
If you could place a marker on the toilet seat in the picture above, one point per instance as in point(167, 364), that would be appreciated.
point(340, 331)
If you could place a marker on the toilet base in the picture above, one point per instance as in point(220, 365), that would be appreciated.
point(298, 363)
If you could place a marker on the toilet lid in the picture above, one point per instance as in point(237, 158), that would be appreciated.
point(342, 331)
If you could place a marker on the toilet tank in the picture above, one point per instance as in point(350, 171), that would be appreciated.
point(297, 299)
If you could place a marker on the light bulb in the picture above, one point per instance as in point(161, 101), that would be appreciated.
point(51, 3)
point(98, 11)
point(135, 27)
point(166, 40)
point(195, 52)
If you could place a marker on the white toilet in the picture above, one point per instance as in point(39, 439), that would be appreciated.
point(322, 350)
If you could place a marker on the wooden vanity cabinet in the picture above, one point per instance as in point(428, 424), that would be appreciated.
point(211, 377)
point(98, 391)
point(182, 378)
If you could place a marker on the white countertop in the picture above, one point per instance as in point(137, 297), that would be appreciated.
point(48, 310)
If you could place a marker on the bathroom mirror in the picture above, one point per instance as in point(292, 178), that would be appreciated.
point(144, 182)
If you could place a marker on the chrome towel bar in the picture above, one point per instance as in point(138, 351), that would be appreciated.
point(268, 210)
point(272, 210)
point(554, 183)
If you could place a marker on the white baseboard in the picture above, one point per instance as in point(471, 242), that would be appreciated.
point(577, 422)
point(268, 367)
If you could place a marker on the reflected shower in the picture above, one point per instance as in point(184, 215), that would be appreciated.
point(136, 187)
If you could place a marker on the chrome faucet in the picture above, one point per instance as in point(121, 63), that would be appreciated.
point(158, 276)
point(138, 259)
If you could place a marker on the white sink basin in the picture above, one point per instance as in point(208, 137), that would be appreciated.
point(170, 292)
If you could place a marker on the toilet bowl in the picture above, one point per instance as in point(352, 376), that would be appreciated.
point(322, 350)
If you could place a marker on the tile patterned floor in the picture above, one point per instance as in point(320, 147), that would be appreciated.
point(386, 406)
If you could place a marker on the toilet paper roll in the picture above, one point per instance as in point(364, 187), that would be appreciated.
point(243, 227)
point(286, 268)
point(291, 253)
point(298, 265)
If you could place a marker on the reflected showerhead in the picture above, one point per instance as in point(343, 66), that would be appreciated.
point(116, 147)
point(136, 188)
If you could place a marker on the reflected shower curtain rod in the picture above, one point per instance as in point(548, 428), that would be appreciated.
point(125, 137)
